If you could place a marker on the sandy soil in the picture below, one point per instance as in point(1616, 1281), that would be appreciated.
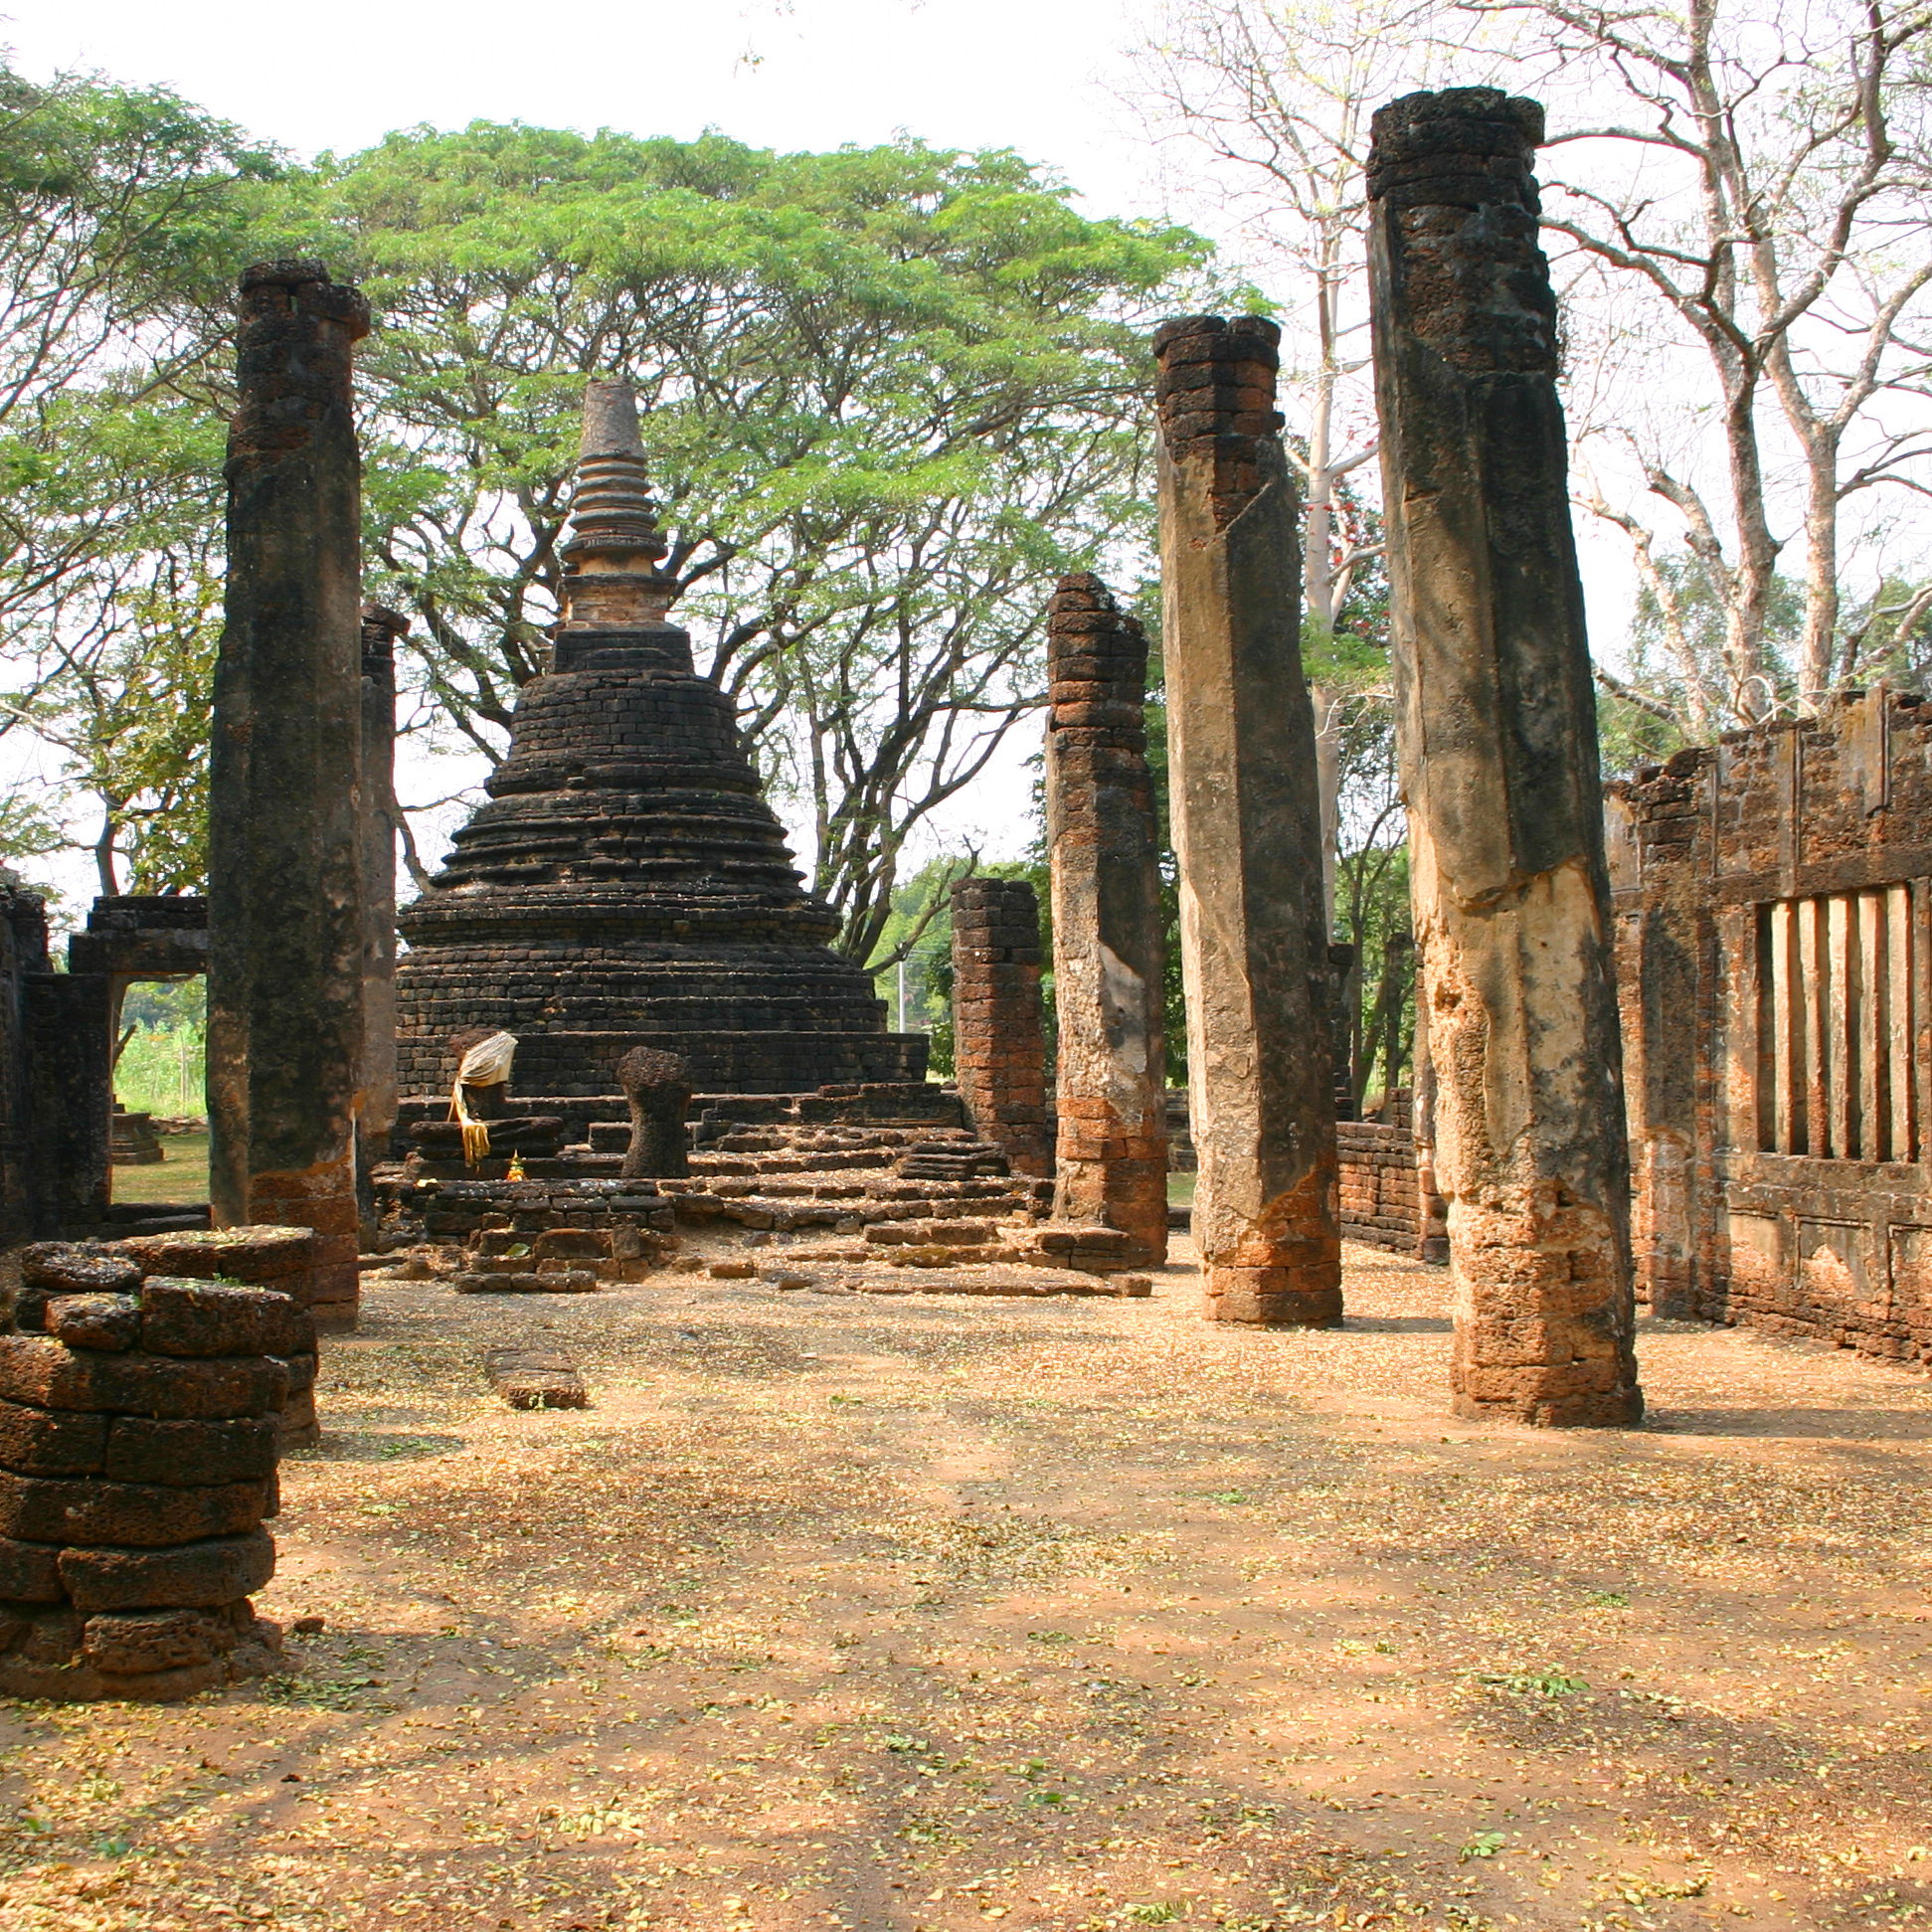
point(938, 1613)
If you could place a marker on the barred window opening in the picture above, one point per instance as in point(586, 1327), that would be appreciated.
point(1835, 992)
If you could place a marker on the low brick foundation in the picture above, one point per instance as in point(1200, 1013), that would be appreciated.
point(532, 1236)
point(1385, 1202)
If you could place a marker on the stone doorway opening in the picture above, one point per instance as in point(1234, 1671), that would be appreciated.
point(158, 1127)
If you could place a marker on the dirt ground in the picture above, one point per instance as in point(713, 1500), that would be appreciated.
point(936, 1613)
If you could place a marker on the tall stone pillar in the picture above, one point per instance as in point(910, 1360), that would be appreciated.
point(1111, 1159)
point(1247, 831)
point(1496, 726)
point(998, 1027)
point(380, 629)
point(285, 931)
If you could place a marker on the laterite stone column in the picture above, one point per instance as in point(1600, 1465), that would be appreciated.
point(1495, 720)
point(998, 1025)
point(1111, 1156)
point(1247, 831)
point(374, 1124)
point(285, 845)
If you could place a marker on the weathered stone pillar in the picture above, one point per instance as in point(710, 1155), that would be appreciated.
point(1496, 726)
point(657, 1087)
point(286, 929)
point(1111, 1159)
point(380, 629)
point(998, 1027)
point(1247, 831)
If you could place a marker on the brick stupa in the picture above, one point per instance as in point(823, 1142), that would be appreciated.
point(626, 885)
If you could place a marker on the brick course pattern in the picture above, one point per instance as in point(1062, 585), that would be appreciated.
point(1111, 1146)
point(528, 1237)
point(1381, 1204)
point(1772, 895)
point(998, 1025)
point(138, 1443)
point(626, 885)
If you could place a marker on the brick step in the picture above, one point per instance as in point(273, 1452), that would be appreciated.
point(822, 1160)
point(836, 1271)
point(948, 1234)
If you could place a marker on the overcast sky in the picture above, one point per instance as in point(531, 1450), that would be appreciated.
point(803, 75)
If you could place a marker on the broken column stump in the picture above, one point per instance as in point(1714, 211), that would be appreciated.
point(1103, 843)
point(139, 1445)
point(1247, 831)
point(999, 1023)
point(657, 1087)
point(280, 1259)
point(536, 1378)
point(1495, 722)
point(286, 847)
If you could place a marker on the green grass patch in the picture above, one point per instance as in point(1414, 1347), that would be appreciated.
point(181, 1177)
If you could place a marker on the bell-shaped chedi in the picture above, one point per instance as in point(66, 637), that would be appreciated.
point(626, 885)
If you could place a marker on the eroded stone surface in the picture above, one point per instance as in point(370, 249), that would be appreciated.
point(134, 1484)
point(1110, 1152)
point(1496, 727)
point(536, 1378)
point(285, 927)
point(658, 1087)
point(1247, 831)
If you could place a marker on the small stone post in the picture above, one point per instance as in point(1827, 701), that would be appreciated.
point(286, 924)
point(998, 1027)
point(657, 1087)
point(380, 629)
point(1111, 1159)
point(1496, 722)
point(1247, 831)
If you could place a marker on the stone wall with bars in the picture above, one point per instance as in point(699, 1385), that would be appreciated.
point(1773, 893)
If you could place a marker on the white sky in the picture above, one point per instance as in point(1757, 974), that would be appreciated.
point(814, 74)
point(1032, 75)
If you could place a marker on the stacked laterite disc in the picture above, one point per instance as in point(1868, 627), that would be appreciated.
point(280, 1259)
point(1215, 394)
point(1103, 841)
point(138, 1441)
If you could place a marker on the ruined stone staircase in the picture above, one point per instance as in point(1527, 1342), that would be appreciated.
point(889, 1179)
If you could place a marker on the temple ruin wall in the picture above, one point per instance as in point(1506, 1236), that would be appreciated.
point(1773, 960)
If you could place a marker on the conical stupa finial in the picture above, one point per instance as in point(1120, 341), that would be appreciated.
point(610, 418)
point(613, 532)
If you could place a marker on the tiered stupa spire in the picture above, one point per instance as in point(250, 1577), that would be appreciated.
point(626, 885)
point(611, 554)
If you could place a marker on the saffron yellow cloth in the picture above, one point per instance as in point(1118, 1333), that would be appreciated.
point(486, 1064)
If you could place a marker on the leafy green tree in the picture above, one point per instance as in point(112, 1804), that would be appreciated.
point(888, 394)
point(113, 664)
point(116, 206)
point(1679, 660)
